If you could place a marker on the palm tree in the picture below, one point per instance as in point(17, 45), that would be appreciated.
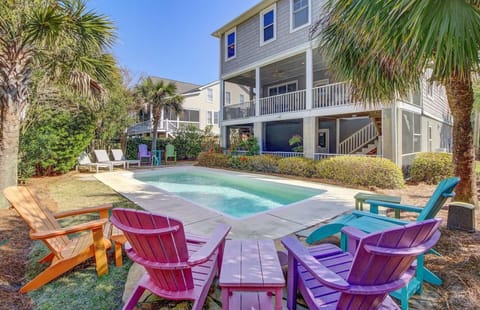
point(63, 39)
point(385, 47)
point(159, 95)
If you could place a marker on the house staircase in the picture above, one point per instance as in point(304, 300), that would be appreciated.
point(365, 140)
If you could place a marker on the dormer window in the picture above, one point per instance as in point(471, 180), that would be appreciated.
point(300, 14)
point(230, 44)
point(267, 29)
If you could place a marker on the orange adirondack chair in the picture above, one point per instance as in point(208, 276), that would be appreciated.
point(65, 253)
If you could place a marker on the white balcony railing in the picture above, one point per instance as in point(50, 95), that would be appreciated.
point(331, 95)
point(289, 102)
point(169, 126)
point(238, 111)
point(358, 139)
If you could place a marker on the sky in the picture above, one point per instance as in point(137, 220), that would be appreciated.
point(170, 39)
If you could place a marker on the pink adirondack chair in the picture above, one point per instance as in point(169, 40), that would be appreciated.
point(143, 152)
point(381, 262)
point(178, 267)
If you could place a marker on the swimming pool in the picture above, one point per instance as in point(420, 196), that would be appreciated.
point(232, 194)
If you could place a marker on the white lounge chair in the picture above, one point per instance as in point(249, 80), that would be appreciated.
point(118, 156)
point(84, 161)
point(102, 157)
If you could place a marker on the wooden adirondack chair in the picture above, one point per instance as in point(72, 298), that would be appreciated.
point(65, 253)
point(371, 222)
point(170, 152)
point(379, 263)
point(144, 153)
point(177, 267)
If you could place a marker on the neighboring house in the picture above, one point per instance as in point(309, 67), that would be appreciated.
point(267, 52)
point(200, 105)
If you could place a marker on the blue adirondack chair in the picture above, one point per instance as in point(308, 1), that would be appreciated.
point(379, 263)
point(371, 222)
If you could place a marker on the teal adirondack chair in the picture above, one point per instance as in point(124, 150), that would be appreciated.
point(170, 152)
point(371, 221)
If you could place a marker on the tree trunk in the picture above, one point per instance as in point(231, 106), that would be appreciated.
point(156, 121)
point(460, 100)
point(9, 138)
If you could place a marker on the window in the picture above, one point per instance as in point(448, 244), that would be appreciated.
point(210, 95)
point(267, 30)
point(300, 14)
point(227, 97)
point(230, 44)
point(429, 137)
point(282, 88)
point(430, 89)
point(242, 98)
point(212, 118)
point(190, 116)
point(411, 132)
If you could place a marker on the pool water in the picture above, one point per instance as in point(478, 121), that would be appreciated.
point(231, 194)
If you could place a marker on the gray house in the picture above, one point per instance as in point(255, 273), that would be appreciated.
point(267, 52)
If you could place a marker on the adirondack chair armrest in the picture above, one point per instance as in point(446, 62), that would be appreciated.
point(380, 217)
point(102, 210)
point(316, 269)
point(218, 236)
point(353, 233)
point(96, 224)
point(376, 203)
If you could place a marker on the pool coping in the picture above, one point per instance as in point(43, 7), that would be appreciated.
point(273, 224)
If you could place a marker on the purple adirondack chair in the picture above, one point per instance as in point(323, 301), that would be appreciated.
point(178, 267)
point(143, 152)
point(382, 262)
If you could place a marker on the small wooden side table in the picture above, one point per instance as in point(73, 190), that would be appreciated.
point(250, 275)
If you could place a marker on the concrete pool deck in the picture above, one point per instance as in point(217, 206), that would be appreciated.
point(273, 224)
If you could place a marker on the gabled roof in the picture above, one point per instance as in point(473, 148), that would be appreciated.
point(245, 16)
point(182, 87)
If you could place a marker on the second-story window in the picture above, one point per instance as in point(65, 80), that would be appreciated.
point(300, 14)
point(210, 95)
point(267, 29)
point(242, 98)
point(230, 44)
point(227, 97)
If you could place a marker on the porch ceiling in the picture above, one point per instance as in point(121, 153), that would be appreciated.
point(279, 71)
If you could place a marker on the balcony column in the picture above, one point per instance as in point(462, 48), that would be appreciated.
point(223, 129)
point(309, 78)
point(258, 133)
point(309, 136)
point(257, 91)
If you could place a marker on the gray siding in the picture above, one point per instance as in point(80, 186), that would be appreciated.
point(437, 104)
point(248, 49)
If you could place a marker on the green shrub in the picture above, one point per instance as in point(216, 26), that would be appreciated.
point(54, 140)
point(188, 143)
point(431, 167)
point(239, 162)
point(264, 163)
point(364, 171)
point(299, 166)
point(213, 160)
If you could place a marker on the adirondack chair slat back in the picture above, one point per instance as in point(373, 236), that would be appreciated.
point(162, 248)
point(38, 217)
point(443, 191)
point(377, 269)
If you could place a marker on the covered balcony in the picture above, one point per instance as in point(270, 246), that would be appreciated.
point(297, 83)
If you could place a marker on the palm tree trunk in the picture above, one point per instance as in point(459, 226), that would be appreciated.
point(156, 121)
point(460, 100)
point(9, 138)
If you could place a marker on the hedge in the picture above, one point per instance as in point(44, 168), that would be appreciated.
point(431, 168)
point(363, 171)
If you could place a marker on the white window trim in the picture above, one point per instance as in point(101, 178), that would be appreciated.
point(270, 8)
point(229, 97)
point(309, 17)
point(208, 97)
point(234, 30)
point(242, 98)
point(282, 84)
